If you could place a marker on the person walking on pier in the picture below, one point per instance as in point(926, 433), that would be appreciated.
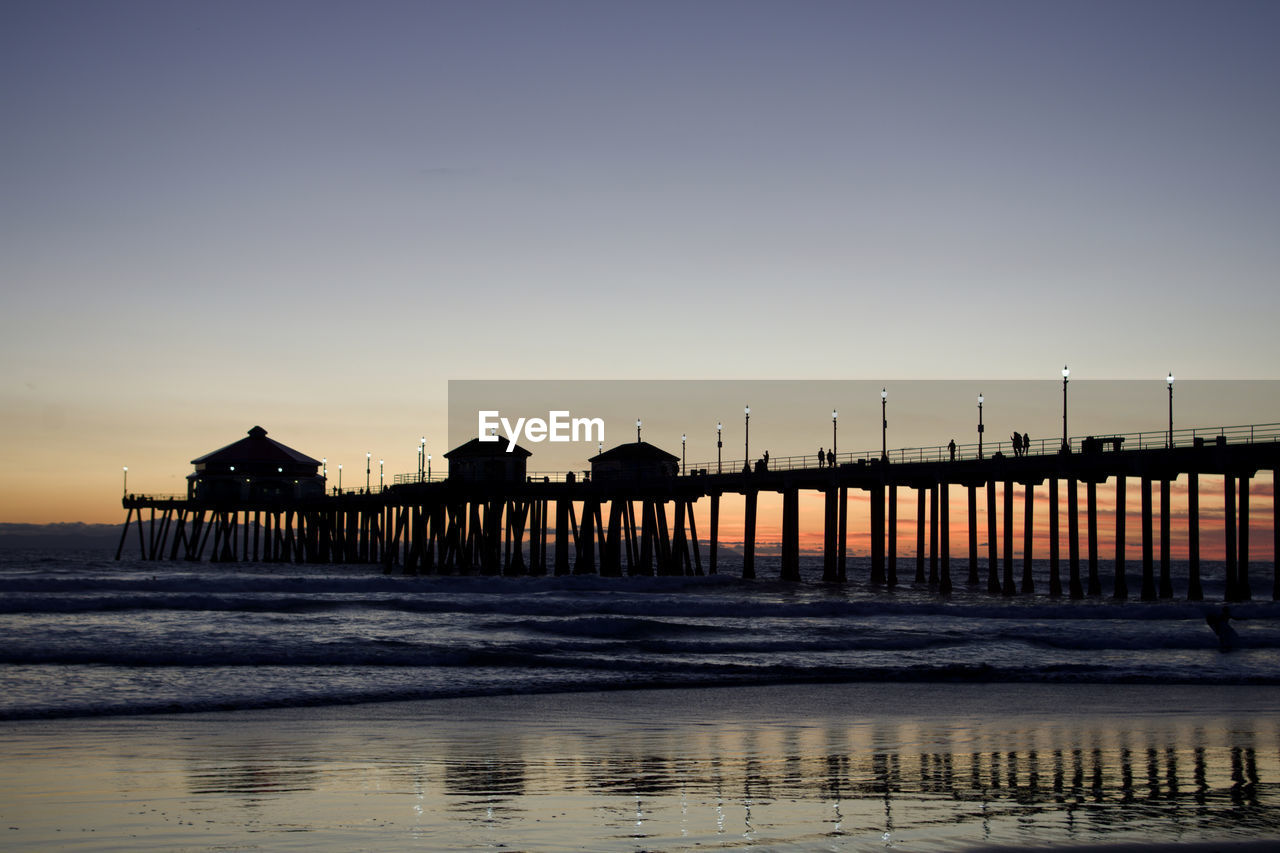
point(1026, 444)
point(822, 458)
point(1017, 444)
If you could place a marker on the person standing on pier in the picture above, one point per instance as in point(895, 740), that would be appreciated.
point(1026, 444)
point(1017, 444)
point(822, 458)
point(952, 447)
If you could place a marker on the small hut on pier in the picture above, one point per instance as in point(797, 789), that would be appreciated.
point(637, 462)
point(255, 468)
point(488, 462)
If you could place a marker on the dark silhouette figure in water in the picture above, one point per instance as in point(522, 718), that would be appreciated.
point(1220, 622)
point(1017, 444)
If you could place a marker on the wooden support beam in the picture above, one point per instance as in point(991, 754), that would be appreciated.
point(972, 491)
point(563, 507)
point(749, 536)
point(662, 543)
point(944, 504)
point(1244, 591)
point(124, 532)
point(922, 524)
point(1008, 587)
point(842, 544)
point(1121, 582)
point(993, 541)
point(611, 551)
point(1231, 521)
point(1166, 580)
point(877, 533)
point(693, 537)
point(790, 534)
point(830, 527)
point(933, 535)
point(1055, 569)
point(648, 534)
point(632, 540)
point(713, 546)
point(680, 563)
point(585, 564)
point(891, 574)
point(179, 535)
point(1091, 508)
point(1028, 537)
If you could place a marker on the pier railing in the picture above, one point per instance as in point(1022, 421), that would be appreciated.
point(1106, 442)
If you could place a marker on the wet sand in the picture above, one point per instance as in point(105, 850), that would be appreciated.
point(808, 767)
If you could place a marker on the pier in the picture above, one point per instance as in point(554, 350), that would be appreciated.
point(570, 523)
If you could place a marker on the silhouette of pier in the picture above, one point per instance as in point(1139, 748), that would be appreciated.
point(644, 523)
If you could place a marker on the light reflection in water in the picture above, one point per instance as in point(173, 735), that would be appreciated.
point(843, 780)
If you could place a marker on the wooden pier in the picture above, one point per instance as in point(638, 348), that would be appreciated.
point(537, 527)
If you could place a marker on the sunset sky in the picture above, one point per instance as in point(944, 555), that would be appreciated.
point(313, 215)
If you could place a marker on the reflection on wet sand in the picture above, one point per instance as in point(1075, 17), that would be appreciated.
point(936, 783)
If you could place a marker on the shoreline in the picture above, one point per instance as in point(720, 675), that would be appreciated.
point(926, 681)
point(804, 767)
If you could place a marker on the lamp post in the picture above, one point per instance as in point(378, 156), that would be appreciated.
point(637, 430)
point(683, 438)
point(339, 478)
point(126, 482)
point(428, 467)
point(834, 415)
point(746, 445)
point(884, 424)
point(379, 475)
point(980, 399)
point(422, 456)
point(719, 445)
point(1169, 382)
point(368, 465)
point(1066, 448)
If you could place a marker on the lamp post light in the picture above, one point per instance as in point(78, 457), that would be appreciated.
point(980, 399)
point(834, 415)
point(126, 482)
point(1066, 447)
point(719, 445)
point(1169, 381)
point(746, 445)
point(637, 430)
point(884, 424)
point(683, 438)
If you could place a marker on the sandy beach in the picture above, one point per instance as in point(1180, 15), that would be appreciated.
point(799, 767)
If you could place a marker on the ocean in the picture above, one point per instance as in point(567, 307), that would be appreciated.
point(85, 635)
point(180, 706)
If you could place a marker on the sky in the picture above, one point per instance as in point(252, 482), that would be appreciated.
point(313, 215)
